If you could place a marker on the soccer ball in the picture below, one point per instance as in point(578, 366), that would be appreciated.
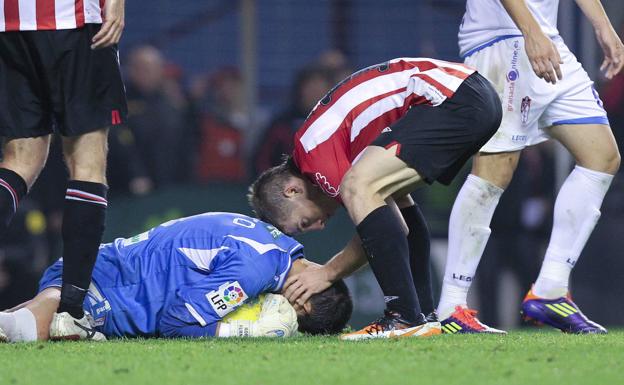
point(247, 312)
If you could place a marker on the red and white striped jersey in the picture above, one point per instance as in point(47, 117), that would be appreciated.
point(34, 15)
point(356, 111)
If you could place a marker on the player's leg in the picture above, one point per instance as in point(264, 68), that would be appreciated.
point(83, 215)
point(418, 239)
point(509, 70)
point(365, 189)
point(576, 212)
point(30, 321)
point(469, 231)
point(577, 120)
point(23, 159)
point(91, 101)
point(374, 178)
point(24, 122)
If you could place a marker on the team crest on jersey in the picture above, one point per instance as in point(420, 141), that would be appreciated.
point(227, 298)
point(525, 107)
point(324, 184)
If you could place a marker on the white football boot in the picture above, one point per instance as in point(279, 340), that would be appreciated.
point(66, 327)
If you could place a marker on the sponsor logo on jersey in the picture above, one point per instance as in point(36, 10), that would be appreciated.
point(324, 184)
point(387, 129)
point(513, 75)
point(525, 107)
point(227, 298)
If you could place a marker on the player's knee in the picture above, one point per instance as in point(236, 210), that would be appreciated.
point(500, 177)
point(26, 164)
point(613, 163)
point(607, 161)
point(353, 187)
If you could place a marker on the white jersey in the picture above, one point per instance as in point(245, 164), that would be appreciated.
point(485, 21)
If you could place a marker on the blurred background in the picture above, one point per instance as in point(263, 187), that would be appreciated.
point(216, 90)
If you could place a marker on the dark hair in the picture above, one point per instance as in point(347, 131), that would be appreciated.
point(265, 193)
point(331, 310)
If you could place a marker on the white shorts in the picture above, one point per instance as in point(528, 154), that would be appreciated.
point(529, 103)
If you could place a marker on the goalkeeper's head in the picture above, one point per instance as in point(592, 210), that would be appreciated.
point(326, 312)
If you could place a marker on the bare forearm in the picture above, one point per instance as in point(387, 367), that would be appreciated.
point(347, 261)
point(595, 13)
point(522, 16)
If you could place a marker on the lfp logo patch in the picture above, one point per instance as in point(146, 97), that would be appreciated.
point(226, 298)
point(233, 295)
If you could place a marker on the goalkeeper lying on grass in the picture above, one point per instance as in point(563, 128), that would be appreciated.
point(181, 279)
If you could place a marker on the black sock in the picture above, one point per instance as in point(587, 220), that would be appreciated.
point(12, 190)
point(388, 256)
point(83, 225)
point(419, 250)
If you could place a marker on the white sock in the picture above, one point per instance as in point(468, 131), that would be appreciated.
point(469, 231)
point(576, 213)
point(19, 326)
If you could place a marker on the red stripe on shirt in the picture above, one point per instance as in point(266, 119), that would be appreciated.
point(352, 82)
point(46, 14)
point(11, 15)
point(102, 8)
point(80, 17)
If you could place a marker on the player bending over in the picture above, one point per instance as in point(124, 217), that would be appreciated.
point(181, 279)
point(514, 43)
point(373, 139)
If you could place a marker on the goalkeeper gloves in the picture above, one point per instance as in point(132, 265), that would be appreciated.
point(277, 319)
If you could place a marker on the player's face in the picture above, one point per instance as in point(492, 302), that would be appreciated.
point(306, 215)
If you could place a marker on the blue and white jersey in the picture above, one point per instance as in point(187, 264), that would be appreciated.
point(180, 278)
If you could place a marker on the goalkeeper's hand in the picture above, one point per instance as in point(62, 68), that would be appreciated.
point(277, 319)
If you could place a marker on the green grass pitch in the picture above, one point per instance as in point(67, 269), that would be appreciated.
point(526, 357)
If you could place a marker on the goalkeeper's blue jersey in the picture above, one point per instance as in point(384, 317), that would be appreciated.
point(180, 278)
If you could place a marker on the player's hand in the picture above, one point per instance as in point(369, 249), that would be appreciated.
point(277, 318)
point(613, 50)
point(112, 25)
point(300, 287)
point(543, 56)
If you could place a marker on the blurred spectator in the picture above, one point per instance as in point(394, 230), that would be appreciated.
point(336, 64)
point(227, 131)
point(160, 126)
point(310, 86)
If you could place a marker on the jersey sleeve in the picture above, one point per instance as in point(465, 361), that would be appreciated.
point(196, 310)
point(324, 166)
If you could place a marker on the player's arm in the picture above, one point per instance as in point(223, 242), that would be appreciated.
point(609, 40)
point(541, 51)
point(316, 278)
point(112, 25)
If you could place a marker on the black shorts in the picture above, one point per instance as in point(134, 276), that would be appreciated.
point(438, 141)
point(53, 81)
